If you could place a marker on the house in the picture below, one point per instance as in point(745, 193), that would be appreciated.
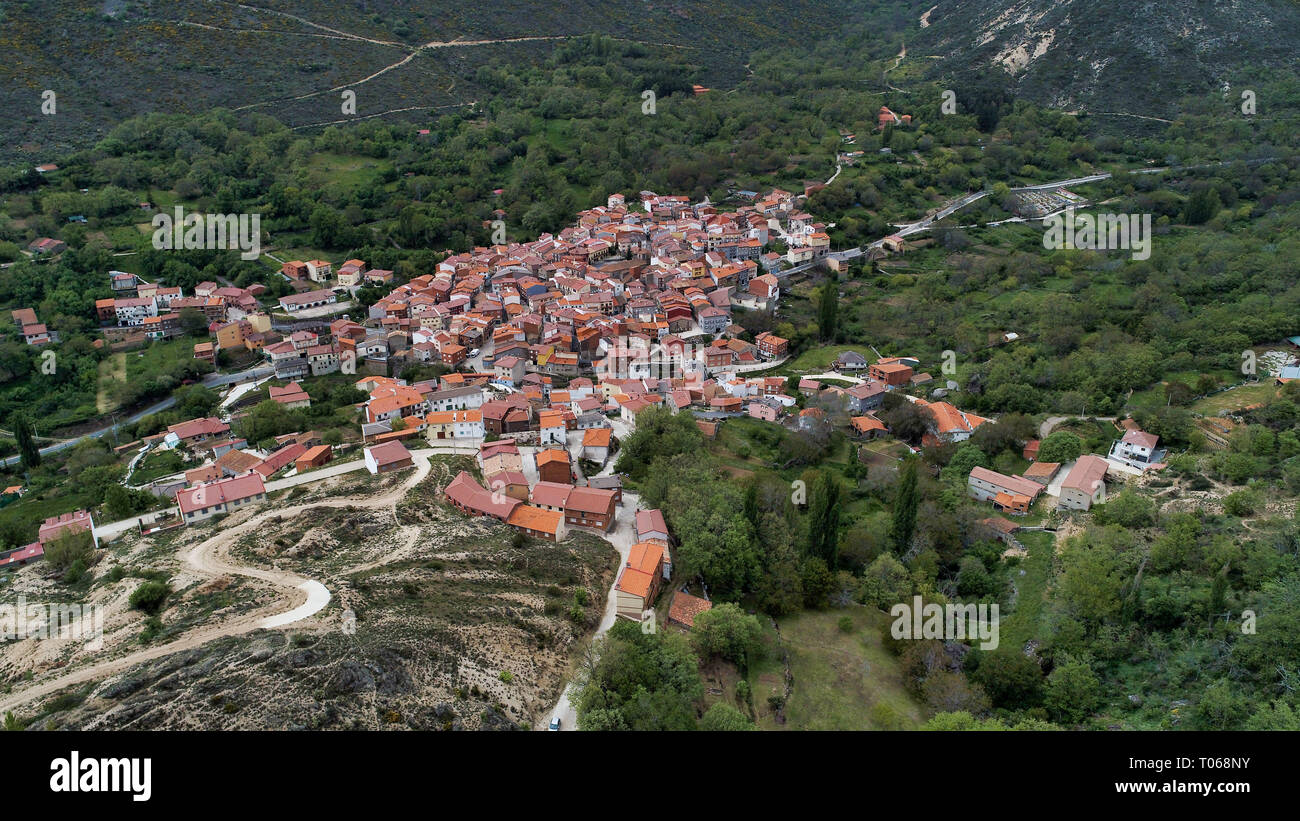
point(387, 457)
point(508, 370)
point(469, 497)
point(553, 466)
point(77, 521)
point(195, 430)
point(595, 444)
point(868, 427)
point(1136, 446)
point(950, 423)
point(891, 373)
point(639, 582)
point(454, 424)
point(222, 496)
point(281, 458)
point(309, 299)
point(651, 527)
point(866, 396)
point(550, 427)
point(1010, 493)
point(1042, 472)
point(771, 346)
point(611, 483)
point(685, 608)
point(590, 507)
point(1030, 451)
point(314, 458)
point(291, 396)
point(850, 361)
point(1085, 484)
point(236, 462)
point(538, 523)
point(45, 246)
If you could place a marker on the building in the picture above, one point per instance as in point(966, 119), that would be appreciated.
point(850, 361)
point(1085, 484)
point(639, 582)
point(891, 373)
point(222, 496)
point(685, 608)
point(553, 466)
point(651, 527)
point(314, 458)
point(75, 522)
point(291, 395)
point(1042, 472)
point(309, 299)
point(1136, 446)
point(1010, 493)
point(454, 424)
point(596, 443)
point(469, 497)
point(387, 457)
point(590, 507)
point(538, 523)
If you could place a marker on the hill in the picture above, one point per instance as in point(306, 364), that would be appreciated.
point(1112, 56)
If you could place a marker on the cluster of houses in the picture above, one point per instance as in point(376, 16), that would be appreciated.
point(78, 521)
point(1077, 486)
point(33, 331)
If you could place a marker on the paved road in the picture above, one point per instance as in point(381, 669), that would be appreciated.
point(212, 380)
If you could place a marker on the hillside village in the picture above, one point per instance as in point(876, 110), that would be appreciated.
point(550, 350)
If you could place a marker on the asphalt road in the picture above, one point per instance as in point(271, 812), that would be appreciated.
point(212, 380)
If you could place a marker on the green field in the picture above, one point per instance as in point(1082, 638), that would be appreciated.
point(842, 681)
point(1235, 399)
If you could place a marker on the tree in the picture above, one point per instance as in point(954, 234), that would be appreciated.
point(1072, 693)
point(828, 306)
point(824, 518)
point(24, 434)
point(70, 548)
point(727, 631)
point(1012, 680)
point(722, 718)
point(1061, 446)
point(905, 502)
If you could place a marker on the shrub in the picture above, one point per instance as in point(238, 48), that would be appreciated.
point(150, 596)
point(846, 624)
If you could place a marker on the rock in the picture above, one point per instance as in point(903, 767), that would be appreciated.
point(351, 677)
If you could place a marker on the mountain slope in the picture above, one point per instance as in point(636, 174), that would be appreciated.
point(1113, 55)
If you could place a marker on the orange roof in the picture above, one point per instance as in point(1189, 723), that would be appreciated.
point(597, 437)
point(534, 518)
point(635, 582)
point(685, 608)
point(646, 557)
point(545, 457)
point(862, 424)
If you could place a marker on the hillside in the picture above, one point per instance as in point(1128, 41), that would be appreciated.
point(1112, 56)
point(117, 59)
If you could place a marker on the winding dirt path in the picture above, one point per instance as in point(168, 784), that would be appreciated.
point(210, 558)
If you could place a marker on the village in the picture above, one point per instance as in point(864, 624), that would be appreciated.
point(549, 351)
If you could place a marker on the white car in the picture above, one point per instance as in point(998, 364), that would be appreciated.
point(474, 352)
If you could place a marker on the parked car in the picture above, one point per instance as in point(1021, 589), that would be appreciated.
point(555, 724)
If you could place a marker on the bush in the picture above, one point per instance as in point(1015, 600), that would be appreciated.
point(1241, 503)
point(149, 597)
point(846, 624)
